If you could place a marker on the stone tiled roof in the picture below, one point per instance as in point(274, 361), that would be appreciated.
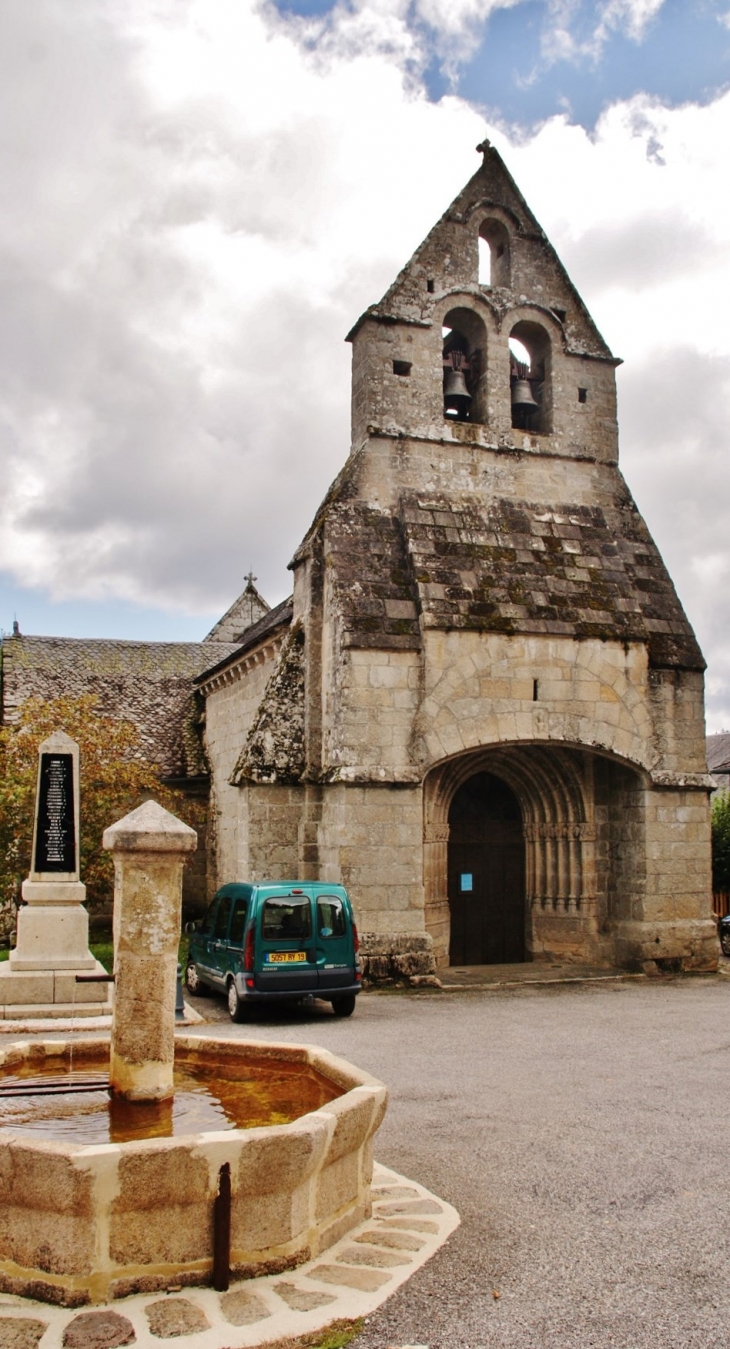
point(147, 683)
point(373, 584)
point(504, 566)
point(584, 571)
point(274, 749)
point(718, 752)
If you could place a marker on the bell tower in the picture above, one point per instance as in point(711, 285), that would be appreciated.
point(489, 658)
point(483, 337)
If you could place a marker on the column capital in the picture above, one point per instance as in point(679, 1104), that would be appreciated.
point(150, 828)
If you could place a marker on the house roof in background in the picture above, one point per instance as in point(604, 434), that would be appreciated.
point(718, 752)
point(147, 683)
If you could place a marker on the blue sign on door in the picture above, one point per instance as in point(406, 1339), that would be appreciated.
point(467, 881)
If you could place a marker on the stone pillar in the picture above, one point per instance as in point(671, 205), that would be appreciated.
point(52, 944)
point(149, 848)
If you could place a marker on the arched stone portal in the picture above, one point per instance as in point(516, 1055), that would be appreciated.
point(486, 874)
point(581, 817)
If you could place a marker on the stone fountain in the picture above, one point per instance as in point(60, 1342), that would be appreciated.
point(149, 1206)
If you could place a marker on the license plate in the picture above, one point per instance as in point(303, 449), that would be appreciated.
point(285, 957)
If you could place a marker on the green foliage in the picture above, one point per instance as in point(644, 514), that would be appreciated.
point(721, 841)
point(114, 779)
point(339, 1335)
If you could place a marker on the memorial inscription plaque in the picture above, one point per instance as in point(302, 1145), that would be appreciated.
point(55, 849)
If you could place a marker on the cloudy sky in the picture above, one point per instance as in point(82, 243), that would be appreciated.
point(199, 198)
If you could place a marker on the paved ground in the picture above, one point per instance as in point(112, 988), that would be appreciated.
point(583, 1134)
point(580, 1130)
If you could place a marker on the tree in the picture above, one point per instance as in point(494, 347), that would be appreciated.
point(721, 842)
point(113, 780)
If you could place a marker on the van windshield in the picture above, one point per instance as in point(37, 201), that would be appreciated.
point(287, 917)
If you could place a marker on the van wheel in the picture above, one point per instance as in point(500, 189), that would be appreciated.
point(194, 982)
point(344, 1006)
point(236, 1008)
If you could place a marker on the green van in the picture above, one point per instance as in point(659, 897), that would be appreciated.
point(279, 941)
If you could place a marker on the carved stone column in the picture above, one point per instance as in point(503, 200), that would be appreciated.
point(149, 848)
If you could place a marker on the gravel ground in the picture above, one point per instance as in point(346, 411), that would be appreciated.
point(580, 1132)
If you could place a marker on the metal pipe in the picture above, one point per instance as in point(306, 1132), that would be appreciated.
point(222, 1231)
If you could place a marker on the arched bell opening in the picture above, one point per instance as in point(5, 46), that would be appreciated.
point(530, 377)
point(486, 874)
point(580, 817)
point(464, 366)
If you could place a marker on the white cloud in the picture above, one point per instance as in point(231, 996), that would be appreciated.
point(197, 216)
point(199, 203)
point(633, 16)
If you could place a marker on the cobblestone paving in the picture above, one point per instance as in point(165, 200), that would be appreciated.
point(348, 1281)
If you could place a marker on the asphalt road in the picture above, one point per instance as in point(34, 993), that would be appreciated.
point(583, 1134)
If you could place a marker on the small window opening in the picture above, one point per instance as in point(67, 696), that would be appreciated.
point(582, 395)
point(559, 313)
point(535, 690)
point(485, 263)
point(402, 368)
point(430, 285)
point(493, 244)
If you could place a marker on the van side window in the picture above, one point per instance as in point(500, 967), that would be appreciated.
point(331, 916)
point(238, 922)
point(206, 927)
point(221, 918)
point(287, 917)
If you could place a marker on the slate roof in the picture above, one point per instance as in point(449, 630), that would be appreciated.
point(147, 683)
point(374, 586)
point(504, 566)
point(718, 752)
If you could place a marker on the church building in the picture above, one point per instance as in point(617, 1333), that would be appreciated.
point(483, 708)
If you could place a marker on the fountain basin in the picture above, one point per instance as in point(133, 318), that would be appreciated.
point(89, 1223)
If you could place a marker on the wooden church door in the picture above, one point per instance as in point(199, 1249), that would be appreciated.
point(486, 874)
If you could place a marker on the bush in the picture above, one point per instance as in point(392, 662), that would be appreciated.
point(721, 842)
point(113, 780)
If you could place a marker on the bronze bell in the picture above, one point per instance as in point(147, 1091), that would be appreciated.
point(456, 394)
point(522, 396)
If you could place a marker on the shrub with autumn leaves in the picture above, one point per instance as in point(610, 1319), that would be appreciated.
point(114, 778)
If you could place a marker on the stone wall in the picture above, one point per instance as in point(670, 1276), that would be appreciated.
point(231, 705)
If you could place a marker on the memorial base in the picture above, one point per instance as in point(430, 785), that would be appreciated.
point(39, 979)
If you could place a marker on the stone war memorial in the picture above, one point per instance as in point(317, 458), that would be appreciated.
point(52, 941)
point(483, 708)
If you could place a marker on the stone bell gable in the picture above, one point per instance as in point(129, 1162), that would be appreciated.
point(487, 718)
point(397, 347)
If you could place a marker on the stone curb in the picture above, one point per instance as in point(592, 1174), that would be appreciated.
point(543, 983)
point(86, 1023)
point(349, 1280)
